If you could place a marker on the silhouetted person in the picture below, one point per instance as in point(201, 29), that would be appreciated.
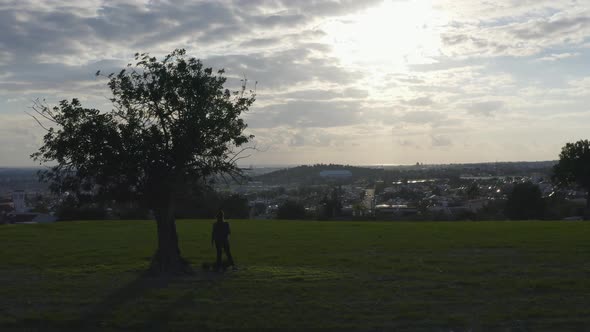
point(220, 237)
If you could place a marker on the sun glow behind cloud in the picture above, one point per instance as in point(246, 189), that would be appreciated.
point(388, 37)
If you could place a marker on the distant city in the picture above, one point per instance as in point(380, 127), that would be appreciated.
point(476, 191)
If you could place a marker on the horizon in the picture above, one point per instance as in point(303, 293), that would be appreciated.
point(350, 82)
point(340, 164)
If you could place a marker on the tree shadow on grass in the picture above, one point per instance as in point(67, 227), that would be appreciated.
point(136, 305)
point(100, 316)
point(160, 320)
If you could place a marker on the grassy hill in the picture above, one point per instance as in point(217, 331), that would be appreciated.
point(509, 276)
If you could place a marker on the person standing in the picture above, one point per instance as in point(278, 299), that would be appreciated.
point(220, 238)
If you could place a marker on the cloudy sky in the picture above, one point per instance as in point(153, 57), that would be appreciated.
point(349, 81)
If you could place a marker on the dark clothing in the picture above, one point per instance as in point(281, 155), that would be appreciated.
point(220, 231)
point(220, 236)
point(223, 245)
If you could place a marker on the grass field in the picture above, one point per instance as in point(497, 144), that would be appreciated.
point(460, 276)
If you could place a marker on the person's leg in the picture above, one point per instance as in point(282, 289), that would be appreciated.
point(218, 247)
point(228, 253)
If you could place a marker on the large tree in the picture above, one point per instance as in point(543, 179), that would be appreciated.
point(574, 167)
point(173, 125)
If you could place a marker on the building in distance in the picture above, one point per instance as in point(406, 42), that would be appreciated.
point(337, 173)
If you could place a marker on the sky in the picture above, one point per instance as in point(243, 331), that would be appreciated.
point(351, 82)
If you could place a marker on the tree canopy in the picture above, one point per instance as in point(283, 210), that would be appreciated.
point(574, 164)
point(525, 201)
point(172, 125)
point(291, 210)
point(574, 167)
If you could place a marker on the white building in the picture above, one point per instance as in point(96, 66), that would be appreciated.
point(18, 201)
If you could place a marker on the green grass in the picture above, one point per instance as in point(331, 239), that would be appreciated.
point(460, 276)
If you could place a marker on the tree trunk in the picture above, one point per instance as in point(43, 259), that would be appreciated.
point(587, 210)
point(167, 259)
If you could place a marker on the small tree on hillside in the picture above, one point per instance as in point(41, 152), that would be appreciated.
point(472, 191)
point(173, 125)
point(525, 202)
point(574, 168)
point(291, 210)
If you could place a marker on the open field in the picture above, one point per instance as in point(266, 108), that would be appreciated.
point(507, 276)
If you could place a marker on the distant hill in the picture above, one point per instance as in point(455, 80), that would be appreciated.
point(310, 174)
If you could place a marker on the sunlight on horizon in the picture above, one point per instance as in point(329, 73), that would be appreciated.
point(387, 37)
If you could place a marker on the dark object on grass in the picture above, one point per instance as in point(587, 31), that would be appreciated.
point(212, 266)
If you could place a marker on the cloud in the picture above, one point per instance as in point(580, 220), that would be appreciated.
point(261, 42)
point(440, 141)
point(554, 26)
point(313, 138)
point(306, 114)
point(325, 94)
point(19, 137)
point(65, 31)
point(286, 68)
point(408, 143)
point(485, 108)
point(330, 7)
point(558, 56)
point(512, 35)
point(66, 81)
point(297, 140)
point(420, 101)
point(423, 117)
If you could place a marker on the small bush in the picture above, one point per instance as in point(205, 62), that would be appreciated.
point(291, 210)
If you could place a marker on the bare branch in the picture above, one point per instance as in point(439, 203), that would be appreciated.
point(43, 111)
point(236, 156)
point(38, 122)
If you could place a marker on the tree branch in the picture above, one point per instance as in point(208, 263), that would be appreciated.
point(37, 120)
